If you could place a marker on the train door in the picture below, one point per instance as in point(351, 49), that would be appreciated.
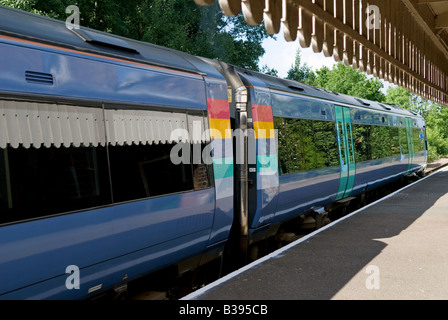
point(346, 151)
point(410, 140)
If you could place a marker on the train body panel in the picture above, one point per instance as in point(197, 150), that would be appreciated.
point(74, 76)
point(300, 192)
point(140, 236)
point(372, 174)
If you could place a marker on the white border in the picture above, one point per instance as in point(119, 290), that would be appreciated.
point(196, 294)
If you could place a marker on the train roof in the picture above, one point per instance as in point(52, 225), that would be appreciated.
point(30, 26)
point(296, 87)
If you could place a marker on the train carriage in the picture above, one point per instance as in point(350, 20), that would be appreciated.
point(87, 177)
point(316, 149)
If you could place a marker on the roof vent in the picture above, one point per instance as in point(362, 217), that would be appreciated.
point(296, 88)
point(332, 92)
point(103, 39)
point(385, 107)
point(396, 106)
point(362, 102)
point(39, 77)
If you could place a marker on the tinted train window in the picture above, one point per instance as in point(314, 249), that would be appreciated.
point(394, 141)
point(325, 144)
point(381, 145)
point(419, 142)
point(375, 142)
point(45, 181)
point(361, 141)
point(141, 171)
point(305, 144)
point(403, 140)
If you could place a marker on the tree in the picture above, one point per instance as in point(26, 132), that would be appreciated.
point(344, 79)
point(176, 24)
point(437, 132)
point(298, 71)
point(270, 71)
point(320, 78)
point(436, 118)
point(400, 97)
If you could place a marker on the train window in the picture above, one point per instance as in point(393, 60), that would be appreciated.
point(341, 137)
point(305, 144)
point(296, 151)
point(325, 144)
point(375, 142)
point(202, 167)
point(419, 144)
point(394, 141)
point(37, 182)
point(403, 140)
point(51, 167)
point(140, 171)
point(380, 142)
point(361, 137)
point(350, 146)
point(202, 176)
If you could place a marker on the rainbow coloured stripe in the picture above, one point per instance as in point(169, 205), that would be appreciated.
point(266, 144)
point(221, 136)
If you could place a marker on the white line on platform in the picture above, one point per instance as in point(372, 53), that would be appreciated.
point(196, 294)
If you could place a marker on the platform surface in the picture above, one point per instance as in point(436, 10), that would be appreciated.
point(393, 249)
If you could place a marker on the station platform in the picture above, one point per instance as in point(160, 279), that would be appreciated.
point(393, 249)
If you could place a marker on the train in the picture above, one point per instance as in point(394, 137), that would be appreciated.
point(120, 159)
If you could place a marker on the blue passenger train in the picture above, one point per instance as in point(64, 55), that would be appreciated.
point(120, 158)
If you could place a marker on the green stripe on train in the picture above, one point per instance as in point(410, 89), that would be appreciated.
point(223, 168)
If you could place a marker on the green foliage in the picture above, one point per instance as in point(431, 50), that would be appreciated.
point(436, 118)
point(176, 24)
point(321, 77)
point(437, 131)
point(50, 8)
point(266, 70)
point(298, 71)
point(400, 97)
point(344, 79)
point(437, 143)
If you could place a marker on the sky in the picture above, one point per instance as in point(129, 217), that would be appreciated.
point(280, 55)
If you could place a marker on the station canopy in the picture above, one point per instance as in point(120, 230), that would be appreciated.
point(404, 42)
